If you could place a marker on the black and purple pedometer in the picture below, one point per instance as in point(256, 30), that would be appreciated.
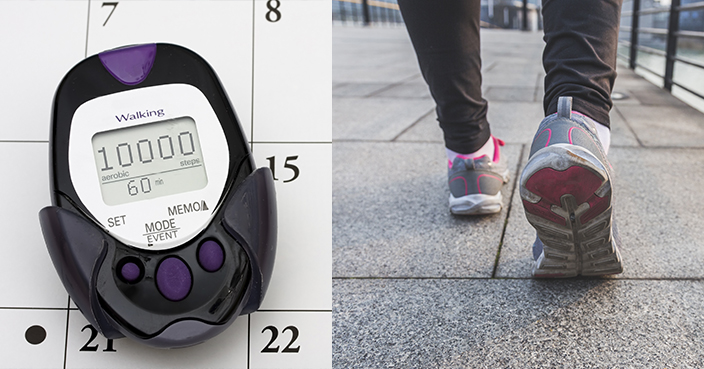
point(160, 230)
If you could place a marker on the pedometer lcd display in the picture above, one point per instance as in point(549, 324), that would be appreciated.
point(149, 160)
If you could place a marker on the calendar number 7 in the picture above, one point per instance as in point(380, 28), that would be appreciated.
point(114, 6)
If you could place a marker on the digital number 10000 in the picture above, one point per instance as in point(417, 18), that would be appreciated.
point(145, 150)
point(147, 157)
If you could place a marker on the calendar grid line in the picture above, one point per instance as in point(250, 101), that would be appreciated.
point(293, 142)
point(87, 30)
point(251, 123)
point(35, 308)
point(251, 142)
point(249, 336)
point(76, 309)
point(293, 311)
point(68, 315)
point(24, 141)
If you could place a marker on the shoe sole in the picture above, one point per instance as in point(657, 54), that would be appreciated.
point(478, 203)
point(566, 193)
point(475, 204)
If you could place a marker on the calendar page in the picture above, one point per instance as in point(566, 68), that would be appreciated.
point(274, 60)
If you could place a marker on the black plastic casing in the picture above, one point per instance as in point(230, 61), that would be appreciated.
point(86, 256)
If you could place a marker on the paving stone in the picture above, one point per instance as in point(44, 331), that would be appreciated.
point(626, 78)
point(391, 217)
point(367, 55)
point(524, 65)
point(666, 125)
point(425, 130)
point(628, 97)
point(621, 134)
point(652, 95)
point(353, 89)
point(500, 93)
point(377, 118)
point(512, 47)
point(511, 78)
point(641, 91)
point(366, 74)
point(513, 122)
point(577, 323)
point(657, 209)
point(516, 257)
point(409, 90)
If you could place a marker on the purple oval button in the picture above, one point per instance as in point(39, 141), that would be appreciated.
point(210, 256)
point(173, 278)
point(130, 271)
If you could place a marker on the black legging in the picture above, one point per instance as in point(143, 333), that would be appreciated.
point(581, 37)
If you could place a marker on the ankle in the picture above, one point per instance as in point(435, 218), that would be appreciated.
point(604, 134)
point(486, 149)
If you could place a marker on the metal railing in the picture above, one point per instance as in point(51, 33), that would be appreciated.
point(366, 12)
point(672, 34)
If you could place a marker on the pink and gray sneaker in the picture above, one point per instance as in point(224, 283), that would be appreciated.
point(567, 193)
point(475, 184)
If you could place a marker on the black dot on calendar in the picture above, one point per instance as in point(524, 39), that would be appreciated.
point(35, 334)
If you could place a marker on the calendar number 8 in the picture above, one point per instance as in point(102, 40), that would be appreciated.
point(273, 15)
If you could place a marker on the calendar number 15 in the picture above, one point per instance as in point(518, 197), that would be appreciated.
point(288, 164)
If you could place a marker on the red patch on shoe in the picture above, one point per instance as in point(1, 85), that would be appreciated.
point(597, 205)
point(542, 209)
point(551, 185)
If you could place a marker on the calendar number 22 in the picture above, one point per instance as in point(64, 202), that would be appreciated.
point(275, 335)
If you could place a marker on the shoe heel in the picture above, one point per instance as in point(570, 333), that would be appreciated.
point(566, 194)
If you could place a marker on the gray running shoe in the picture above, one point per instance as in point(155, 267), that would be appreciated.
point(475, 184)
point(567, 195)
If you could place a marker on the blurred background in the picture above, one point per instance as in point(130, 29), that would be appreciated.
point(662, 40)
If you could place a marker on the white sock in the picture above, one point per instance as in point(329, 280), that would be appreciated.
point(604, 134)
point(487, 149)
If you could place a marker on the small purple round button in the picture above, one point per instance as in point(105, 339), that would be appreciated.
point(210, 256)
point(173, 278)
point(130, 271)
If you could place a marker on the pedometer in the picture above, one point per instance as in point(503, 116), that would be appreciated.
point(161, 229)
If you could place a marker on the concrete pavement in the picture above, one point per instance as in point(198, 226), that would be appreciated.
point(415, 287)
